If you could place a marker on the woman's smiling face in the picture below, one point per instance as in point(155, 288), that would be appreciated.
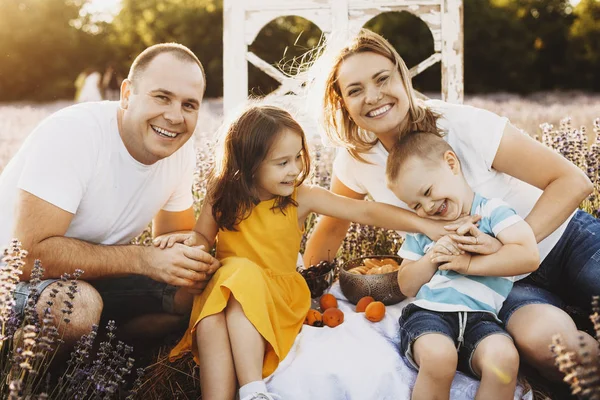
point(373, 93)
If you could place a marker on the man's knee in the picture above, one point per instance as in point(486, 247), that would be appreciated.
point(81, 306)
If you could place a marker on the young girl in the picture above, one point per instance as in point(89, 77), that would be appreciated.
point(247, 318)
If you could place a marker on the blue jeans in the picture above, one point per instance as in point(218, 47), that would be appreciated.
point(569, 275)
point(416, 322)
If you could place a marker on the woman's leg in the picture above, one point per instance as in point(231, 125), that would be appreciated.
point(217, 372)
point(532, 327)
point(437, 359)
point(247, 345)
point(496, 360)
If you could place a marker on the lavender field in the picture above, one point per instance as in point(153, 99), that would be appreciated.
point(528, 113)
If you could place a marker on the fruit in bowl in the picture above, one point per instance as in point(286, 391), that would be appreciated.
point(375, 276)
point(319, 277)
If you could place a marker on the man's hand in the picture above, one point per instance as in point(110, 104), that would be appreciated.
point(458, 264)
point(179, 265)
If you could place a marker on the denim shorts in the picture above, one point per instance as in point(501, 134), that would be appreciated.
point(416, 322)
point(123, 297)
point(568, 276)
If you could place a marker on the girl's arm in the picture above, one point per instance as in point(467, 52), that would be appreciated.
point(414, 274)
point(328, 233)
point(518, 255)
point(322, 201)
point(565, 186)
point(204, 232)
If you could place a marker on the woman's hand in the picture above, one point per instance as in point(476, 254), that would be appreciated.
point(435, 230)
point(470, 239)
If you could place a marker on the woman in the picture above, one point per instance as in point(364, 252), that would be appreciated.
point(370, 103)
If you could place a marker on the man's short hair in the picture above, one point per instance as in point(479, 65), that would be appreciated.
point(144, 59)
point(423, 145)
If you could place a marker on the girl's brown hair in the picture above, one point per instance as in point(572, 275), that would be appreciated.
point(246, 144)
point(340, 128)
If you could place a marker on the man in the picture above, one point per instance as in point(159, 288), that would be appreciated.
point(92, 176)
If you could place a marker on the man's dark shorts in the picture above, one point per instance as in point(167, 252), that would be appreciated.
point(123, 297)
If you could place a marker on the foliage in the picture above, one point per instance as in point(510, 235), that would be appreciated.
point(510, 45)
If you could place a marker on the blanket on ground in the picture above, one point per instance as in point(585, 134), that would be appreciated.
point(357, 360)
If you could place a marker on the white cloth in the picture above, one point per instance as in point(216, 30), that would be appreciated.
point(475, 135)
point(90, 91)
point(75, 159)
point(357, 360)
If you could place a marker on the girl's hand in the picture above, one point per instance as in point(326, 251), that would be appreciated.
point(435, 230)
point(469, 238)
point(458, 264)
point(191, 238)
point(445, 246)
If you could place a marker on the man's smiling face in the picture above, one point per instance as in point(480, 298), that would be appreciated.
point(161, 108)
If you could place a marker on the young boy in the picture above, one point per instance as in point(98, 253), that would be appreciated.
point(453, 320)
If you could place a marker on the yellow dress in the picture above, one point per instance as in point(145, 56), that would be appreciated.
point(259, 269)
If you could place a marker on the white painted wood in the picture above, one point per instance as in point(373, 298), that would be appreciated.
point(243, 20)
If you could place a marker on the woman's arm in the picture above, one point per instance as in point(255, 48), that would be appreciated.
point(328, 233)
point(518, 255)
point(565, 186)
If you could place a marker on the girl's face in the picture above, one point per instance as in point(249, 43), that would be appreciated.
point(277, 173)
point(373, 93)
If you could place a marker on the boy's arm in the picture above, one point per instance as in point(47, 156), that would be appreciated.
point(414, 274)
point(518, 255)
point(416, 268)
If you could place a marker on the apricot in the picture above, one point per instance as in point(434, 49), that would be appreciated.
point(363, 303)
point(328, 301)
point(375, 311)
point(332, 317)
point(313, 318)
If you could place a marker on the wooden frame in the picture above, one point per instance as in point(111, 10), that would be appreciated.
point(243, 20)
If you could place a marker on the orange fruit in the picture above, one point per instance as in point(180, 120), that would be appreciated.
point(332, 317)
point(313, 318)
point(328, 301)
point(363, 303)
point(375, 311)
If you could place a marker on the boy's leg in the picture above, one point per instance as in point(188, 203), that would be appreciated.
point(217, 372)
point(496, 361)
point(426, 340)
point(437, 358)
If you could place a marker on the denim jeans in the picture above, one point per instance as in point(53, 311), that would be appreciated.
point(569, 275)
point(416, 322)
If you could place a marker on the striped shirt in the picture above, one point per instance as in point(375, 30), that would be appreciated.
point(451, 291)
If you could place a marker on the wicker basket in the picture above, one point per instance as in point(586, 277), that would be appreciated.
point(382, 287)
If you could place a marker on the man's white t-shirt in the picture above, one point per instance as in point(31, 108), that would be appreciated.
point(75, 159)
point(475, 135)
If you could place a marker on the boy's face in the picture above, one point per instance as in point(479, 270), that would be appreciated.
point(435, 190)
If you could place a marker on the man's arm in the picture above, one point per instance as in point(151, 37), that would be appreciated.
point(41, 226)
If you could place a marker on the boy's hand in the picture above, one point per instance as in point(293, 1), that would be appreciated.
point(458, 264)
point(191, 238)
point(445, 246)
point(469, 238)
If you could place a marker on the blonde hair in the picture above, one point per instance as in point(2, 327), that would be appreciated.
point(340, 128)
